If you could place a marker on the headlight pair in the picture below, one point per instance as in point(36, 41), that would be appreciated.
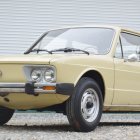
point(47, 75)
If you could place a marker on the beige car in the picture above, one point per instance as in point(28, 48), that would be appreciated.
point(79, 71)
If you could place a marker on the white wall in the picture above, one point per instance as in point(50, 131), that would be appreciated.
point(23, 21)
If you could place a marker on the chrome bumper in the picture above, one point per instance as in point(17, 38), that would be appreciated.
point(35, 88)
point(20, 87)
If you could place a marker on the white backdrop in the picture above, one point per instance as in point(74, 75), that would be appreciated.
point(23, 21)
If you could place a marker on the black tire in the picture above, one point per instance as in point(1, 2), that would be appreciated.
point(5, 115)
point(73, 106)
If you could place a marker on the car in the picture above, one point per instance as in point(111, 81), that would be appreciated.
point(79, 71)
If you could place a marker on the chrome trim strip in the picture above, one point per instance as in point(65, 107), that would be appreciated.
point(44, 91)
point(22, 90)
point(22, 85)
point(44, 84)
point(10, 90)
point(12, 85)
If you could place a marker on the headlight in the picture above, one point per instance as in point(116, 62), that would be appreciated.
point(40, 73)
point(49, 75)
point(36, 75)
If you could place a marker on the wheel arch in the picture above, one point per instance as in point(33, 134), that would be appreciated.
point(97, 76)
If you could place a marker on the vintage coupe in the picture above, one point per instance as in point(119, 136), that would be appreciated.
point(79, 71)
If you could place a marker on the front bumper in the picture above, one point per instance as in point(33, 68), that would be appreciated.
point(36, 88)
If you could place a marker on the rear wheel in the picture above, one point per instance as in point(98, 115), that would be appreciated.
point(5, 115)
point(84, 108)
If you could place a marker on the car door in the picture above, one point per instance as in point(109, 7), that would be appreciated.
point(127, 70)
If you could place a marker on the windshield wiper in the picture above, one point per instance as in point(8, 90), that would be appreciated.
point(69, 50)
point(41, 50)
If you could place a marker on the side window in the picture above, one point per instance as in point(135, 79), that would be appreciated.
point(130, 45)
point(118, 53)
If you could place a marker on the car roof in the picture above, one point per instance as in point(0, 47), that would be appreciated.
point(128, 30)
point(115, 27)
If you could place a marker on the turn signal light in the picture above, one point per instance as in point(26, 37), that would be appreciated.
point(49, 88)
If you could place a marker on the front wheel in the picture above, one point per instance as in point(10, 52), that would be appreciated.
point(5, 115)
point(84, 108)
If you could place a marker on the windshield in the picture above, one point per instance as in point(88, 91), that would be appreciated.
point(93, 40)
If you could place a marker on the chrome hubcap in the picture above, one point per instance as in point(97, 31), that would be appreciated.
point(90, 105)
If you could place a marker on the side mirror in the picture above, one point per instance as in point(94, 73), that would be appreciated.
point(132, 58)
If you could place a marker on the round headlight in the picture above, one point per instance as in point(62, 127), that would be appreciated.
point(36, 75)
point(49, 75)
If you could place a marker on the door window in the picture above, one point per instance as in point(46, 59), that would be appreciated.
point(130, 45)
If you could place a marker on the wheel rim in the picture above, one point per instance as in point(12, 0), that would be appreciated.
point(90, 105)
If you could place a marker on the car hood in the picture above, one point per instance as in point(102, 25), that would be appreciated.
point(49, 59)
point(28, 59)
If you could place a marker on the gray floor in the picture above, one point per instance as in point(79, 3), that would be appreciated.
point(52, 126)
